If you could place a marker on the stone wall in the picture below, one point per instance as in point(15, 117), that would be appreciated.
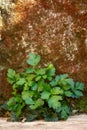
point(55, 29)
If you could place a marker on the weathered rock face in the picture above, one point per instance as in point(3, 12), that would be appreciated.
point(55, 29)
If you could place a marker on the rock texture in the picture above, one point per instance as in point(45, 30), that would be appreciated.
point(55, 29)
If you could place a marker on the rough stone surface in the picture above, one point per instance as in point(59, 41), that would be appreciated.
point(78, 122)
point(55, 29)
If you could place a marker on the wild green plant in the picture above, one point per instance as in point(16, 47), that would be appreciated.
point(40, 93)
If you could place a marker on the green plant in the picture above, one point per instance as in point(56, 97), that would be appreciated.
point(40, 93)
point(81, 104)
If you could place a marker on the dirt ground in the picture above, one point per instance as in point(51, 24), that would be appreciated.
point(77, 122)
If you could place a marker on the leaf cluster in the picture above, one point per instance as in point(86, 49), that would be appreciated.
point(41, 92)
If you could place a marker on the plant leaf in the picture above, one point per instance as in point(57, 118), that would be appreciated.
point(10, 81)
point(29, 101)
point(11, 73)
point(50, 70)
point(34, 87)
point(44, 76)
point(21, 81)
point(45, 95)
point(65, 111)
point(47, 87)
point(30, 77)
point(78, 93)
point(53, 102)
point(64, 76)
point(26, 94)
point(57, 90)
point(79, 86)
point(66, 87)
point(70, 82)
point(37, 78)
point(40, 85)
point(34, 59)
point(68, 93)
point(30, 70)
point(40, 71)
point(37, 104)
point(53, 82)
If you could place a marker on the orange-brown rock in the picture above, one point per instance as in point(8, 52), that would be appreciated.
point(55, 29)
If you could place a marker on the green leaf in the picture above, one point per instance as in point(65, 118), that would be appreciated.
point(59, 80)
point(79, 86)
point(23, 74)
point(29, 101)
point(49, 78)
point(43, 86)
point(13, 102)
point(37, 104)
point(21, 81)
point(44, 76)
point(45, 95)
point(63, 76)
point(57, 90)
point(46, 87)
point(70, 82)
point(30, 70)
point(78, 93)
point(53, 102)
point(12, 77)
point(19, 109)
point(16, 105)
point(40, 71)
point(65, 111)
point(34, 59)
point(26, 87)
point(10, 103)
point(66, 87)
point(15, 86)
point(40, 85)
point(68, 93)
point(30, 77)
point(11, 73)
point(14, 92)
point(34, 87)
point(50, 70)
point(31, 83)
point(26, 94)
point(58, 110)
point(37, 78)
point(11, 81)
point(53, 83)
point(64, 115)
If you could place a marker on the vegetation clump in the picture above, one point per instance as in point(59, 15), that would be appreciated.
point(38, 93)
point(81, 104)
